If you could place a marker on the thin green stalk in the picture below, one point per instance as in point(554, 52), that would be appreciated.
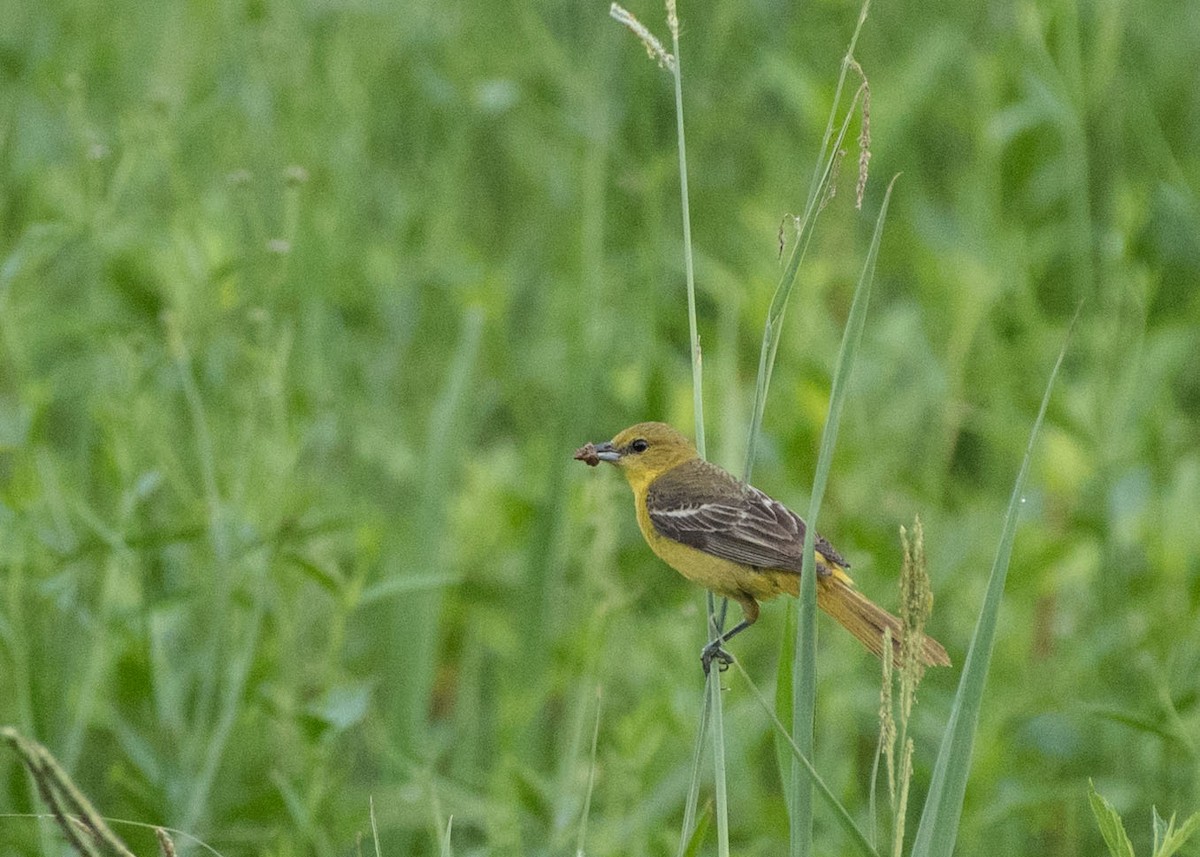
point(804, 687)
point(713, 679)
point(803, 655)
point(236, 677)
point(804, 697)
point(206, 712)
point(773, 328)
point(815, 192)
point(938, 830)
point(688, 266)
point(711, 705)
point(687, 834)
point(691, 848)
point(96, 667)
point(215, 714)
point(839, 810)
point(412, 651)
point(587, 798)
point(713, 682)
point(374, 826)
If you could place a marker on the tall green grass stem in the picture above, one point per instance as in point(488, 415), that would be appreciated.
point(591, 783)
point(938, 829)
point(413, 647)
point(713, 683)
point(823, 173)
point(712, 680)
point(688, 262)
point(804, 686)
point(815, 192)
point(860, 839)
point(687, 834)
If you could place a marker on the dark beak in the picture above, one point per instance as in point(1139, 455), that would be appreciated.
point(593, 453)
point(607, 452)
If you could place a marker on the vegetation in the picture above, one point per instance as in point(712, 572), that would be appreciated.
point(303, 309)
point(1167, 837)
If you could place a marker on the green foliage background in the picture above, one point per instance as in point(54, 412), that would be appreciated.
point(304, 307)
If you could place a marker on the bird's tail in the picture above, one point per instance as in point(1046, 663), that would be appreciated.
point(837, 596)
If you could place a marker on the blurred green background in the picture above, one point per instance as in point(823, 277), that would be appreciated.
point(304, 308)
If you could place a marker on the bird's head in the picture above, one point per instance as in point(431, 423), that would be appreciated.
point(642, 452)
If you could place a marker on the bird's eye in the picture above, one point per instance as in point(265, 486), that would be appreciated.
point(639, 445)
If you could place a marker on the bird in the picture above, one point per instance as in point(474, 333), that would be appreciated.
point(733, 539)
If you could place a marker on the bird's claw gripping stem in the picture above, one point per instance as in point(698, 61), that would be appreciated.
point(714, 652)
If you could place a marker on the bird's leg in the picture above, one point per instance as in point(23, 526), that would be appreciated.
point(714, 651)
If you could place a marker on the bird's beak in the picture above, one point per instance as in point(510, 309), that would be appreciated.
point(607, 452)
point(593, 453)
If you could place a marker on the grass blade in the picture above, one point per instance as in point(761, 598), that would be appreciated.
point(1110, 824)
point(783, 695)
point(823, 172)
point(688, 265)
point(691, 846)
point(718, 735)
point(804, 682)
point(374, 827)
point(412, 649)
point(688, 834)
point(711, 706)
point(773, 328)
point(591, 782)
point(804, 696)
point(943, 805)
point(840, 812)
point(713, 681)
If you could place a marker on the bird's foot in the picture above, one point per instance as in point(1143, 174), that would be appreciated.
point(714, 652)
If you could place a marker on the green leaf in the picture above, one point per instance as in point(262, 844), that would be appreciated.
point(1173, 839)
point(591, 781)
point(823, 174)
point(697, 838)
point(717, 712)
point(938, 828)
point(1109, 822)
point(406, 585)
point(1162, 829)
point(804, 666)
point(1163, 724)
point(783, 697)
point(840, 812)
point(327, 578)
point(690, 824)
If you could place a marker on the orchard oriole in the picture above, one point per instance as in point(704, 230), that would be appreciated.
point(733, 539)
